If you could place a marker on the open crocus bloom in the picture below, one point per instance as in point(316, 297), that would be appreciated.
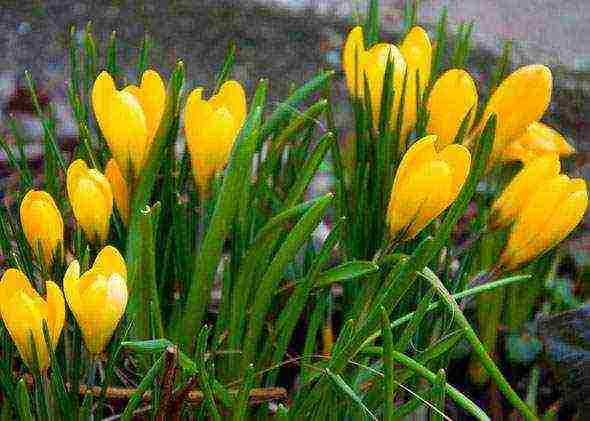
point(371, 64)
point(42, 223)
point(211, 127)
point(425, 184)
point(98, 298)
point(538, 139)
point(24, 311)
point(548, 216)
point(129, 118)
point(452, 97)
point(519, 100)
point(91, 198)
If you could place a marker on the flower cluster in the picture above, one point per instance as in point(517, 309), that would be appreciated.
point(541, 205)
point(129, 121)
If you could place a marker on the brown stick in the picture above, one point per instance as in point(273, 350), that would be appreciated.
point(195, 397)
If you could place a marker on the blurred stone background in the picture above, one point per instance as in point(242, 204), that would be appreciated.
point(285, 41)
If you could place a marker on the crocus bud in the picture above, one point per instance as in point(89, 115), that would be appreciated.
point(91, 198)
point(425, 184)
point(538, 139)
point(98, 298)
point(129, 118)
point(522, 187)
point(211, 128)
point(548, 216)
point(520, 100)
point(371, 64)
point(119, 188)
point(452, 97)
point(42, 224)
point(24, 311)
point(417, 52)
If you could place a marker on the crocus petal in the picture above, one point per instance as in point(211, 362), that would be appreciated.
point(102, 91)
point(151, 95)
point(458, 159)
point(521, 99)
point(538, 139)
point(231, 95)
point(352, 61)
point(453, 96)
point(23, 317)
point(14, 281)
point(119, 188)
point(71, 288)
point(56, 313)
point(419, 153)
point(417, 52)
point(110, 261)
point(524, 184)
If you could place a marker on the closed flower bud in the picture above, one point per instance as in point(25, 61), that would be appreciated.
point(24, 311)
point(98, 298)
point(129, 118)
point(119, 188)
point(371, 64)
point(417, 52)
point(547, 217)
point(42, 224)
point(425, 184)
point(538, 139)
point(520, 100)
point(452, 97)
point(211, 127)
point(91, 198)
point(522, 187)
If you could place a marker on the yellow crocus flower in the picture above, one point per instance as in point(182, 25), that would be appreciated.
point(453, 95)
point(211, 127)
point(42, 224)
point(91, 198)
point(538, 139)
point(522, 187)
point(520, 100)
point(425, 184)
point(98, 298)
point(417, 52)
point(371, 64)
point(119, 188)
point(129, 118)
point(548, 216)
point(24, 310)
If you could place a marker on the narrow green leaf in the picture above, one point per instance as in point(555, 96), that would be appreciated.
point(146, 382)
point(227, 67)
point(23, 401)
point(342, 386)
point(164, 138)
point(387, 366)
point(440, 394)
point(346, 272)
point(310, 168)
point(478, 348)
point(373, 23)
point(412, 328)
point(241, 405)
point(238, 173)
point(204, 374)
point(268, 284)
